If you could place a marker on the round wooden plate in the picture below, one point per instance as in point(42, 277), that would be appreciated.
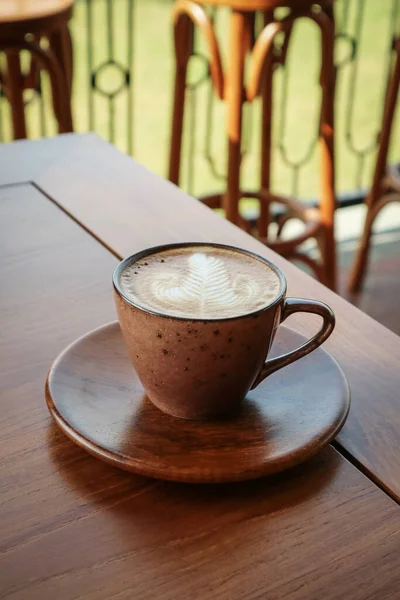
point(96, 398)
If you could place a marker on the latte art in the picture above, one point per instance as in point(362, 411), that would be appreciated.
point(200, 282)
point(207, 284)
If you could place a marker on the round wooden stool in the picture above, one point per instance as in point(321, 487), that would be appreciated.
point(22, 25)
point(386, 182)
point(231, 87)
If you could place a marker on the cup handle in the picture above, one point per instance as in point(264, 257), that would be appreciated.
point(290, 306)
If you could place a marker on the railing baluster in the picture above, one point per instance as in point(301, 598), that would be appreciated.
point(42, 111)
point(1, 111)
point(89, 33)
point(105, 57)
point(129, 80)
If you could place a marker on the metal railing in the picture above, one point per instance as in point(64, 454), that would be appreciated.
point(123, 75)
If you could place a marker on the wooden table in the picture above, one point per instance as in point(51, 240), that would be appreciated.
point(73, 527)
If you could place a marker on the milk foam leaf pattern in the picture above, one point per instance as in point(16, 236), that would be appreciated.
point(207, 284)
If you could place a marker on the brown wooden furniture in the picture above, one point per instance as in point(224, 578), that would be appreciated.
point(75, 527)
point(386, 181)
point(22, 25)
point(231, 87)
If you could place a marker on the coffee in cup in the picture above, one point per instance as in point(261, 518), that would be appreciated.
point(200, 282)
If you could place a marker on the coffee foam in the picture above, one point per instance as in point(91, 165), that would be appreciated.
point(200, 282)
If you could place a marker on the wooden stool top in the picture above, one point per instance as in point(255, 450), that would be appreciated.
point(16, 11)
point(251, 5)
point(19, 17)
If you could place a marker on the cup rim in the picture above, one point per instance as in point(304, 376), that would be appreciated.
point(129, 260)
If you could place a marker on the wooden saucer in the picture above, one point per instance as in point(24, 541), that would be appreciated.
point(96, 398)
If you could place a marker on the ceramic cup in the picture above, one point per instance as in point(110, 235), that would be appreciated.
point(203, 368)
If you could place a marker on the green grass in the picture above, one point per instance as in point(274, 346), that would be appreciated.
point(153, 77)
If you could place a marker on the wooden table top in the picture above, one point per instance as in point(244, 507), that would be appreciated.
point(73, 527)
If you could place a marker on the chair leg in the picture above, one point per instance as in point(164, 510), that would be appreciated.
point(234, 96)
point(32, 77)
point(183, 33)
point(15, 88)
point(61, 45)
point(58, 81)
point(361, 261)
point(266, 136)
point(328, 200)
point(360, 264)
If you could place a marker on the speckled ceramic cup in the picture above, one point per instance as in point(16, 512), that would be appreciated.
point(203, 367)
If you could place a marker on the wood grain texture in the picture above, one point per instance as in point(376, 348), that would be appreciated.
point(323, 531)
point(75, 528)
point(139, 209)
point(97, 399)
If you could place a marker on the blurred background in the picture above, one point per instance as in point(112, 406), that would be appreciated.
point(123, 77)
point(122, 90)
